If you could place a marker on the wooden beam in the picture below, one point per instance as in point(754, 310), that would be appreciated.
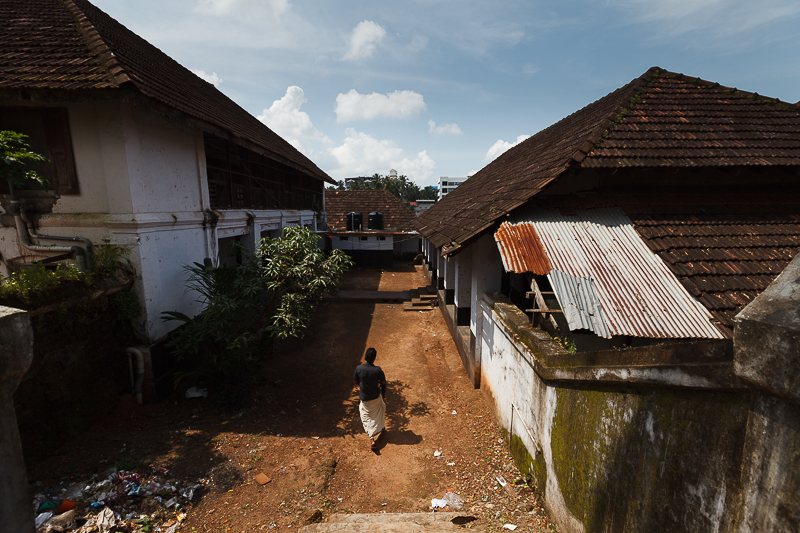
point(540, 303)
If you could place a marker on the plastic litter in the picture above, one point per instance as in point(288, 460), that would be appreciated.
point(194, 392)
point(437, 453)
point(512, 527)
point(106, 520)
point(438, 503)
point(42, 518)
point(453, 500)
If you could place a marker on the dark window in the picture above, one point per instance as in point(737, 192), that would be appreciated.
point(364, 238)
point(48, 134)
point(343, 238)
point(240, 178)
point(381, 238)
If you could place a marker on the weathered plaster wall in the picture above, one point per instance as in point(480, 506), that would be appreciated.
point(615, 456)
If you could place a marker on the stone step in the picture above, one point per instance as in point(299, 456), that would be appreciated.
point(391, 523)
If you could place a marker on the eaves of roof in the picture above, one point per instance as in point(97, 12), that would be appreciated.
point(661, 119)
point(71, 45)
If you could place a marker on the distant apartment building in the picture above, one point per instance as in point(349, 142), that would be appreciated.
point(447, 185)
point(420, 206)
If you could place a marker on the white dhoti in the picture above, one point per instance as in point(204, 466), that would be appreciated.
point(373, 415)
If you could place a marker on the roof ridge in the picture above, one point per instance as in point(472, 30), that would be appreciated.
point(97, 45)
point(788, 106)
point(599, 134)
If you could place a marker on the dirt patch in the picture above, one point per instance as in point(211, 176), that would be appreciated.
point(296, 421)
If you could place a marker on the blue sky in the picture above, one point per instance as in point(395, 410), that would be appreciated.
point(441, 87)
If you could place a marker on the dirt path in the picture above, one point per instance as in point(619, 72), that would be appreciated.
point(297, 422)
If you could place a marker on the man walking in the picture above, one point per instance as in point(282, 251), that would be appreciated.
point(372, 393)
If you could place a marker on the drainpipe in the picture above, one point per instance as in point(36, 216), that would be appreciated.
point(36, 236)
point(137, 385)
point(24, 236)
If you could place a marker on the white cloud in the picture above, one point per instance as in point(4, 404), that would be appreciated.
point(243, 7)
point(501, 146)
point(212, 78)
point(444, 129)
point(397, 104)
point(711, 18)
point(362, 154)
point(363, 39)
point(285, 118)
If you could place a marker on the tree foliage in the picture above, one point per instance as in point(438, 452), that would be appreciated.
point(15, 156)
point(269, 296)
point(403, 188)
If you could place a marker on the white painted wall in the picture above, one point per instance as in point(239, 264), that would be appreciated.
point(143, 184)
point(358, 242)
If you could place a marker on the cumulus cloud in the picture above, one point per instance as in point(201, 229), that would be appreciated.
point(212, 78)
point(285, 118)
point(362, 154)
point(501, 146)
point(363, 40)
point(397, 104)
point(444, 129)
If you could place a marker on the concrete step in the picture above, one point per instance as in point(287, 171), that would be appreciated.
point(391, 523)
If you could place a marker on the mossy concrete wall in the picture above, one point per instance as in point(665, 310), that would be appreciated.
point(663, 438)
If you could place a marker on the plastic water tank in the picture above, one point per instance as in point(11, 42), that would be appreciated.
point(354, 221)
point(375, 220)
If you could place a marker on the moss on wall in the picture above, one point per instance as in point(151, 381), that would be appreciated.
point(649, 459)
point(534, 470)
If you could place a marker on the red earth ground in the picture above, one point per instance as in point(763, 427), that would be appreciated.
point(295, 419)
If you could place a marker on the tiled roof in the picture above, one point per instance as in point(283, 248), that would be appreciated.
point(71, 45)
point(724, 261)
point(339, 203)
point(661, 119)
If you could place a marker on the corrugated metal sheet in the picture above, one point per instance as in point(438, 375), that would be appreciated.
point(639, 295)
point(580, 302)
point(520, 249)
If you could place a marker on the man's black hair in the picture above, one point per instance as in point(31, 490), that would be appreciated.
point(370, 355)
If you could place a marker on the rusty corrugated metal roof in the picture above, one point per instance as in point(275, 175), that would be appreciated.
point(639, 295)
point(521, 250)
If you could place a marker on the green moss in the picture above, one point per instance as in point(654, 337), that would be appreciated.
point(624, 458)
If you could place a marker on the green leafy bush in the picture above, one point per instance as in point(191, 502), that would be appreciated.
point(38, 280)
point(269, 296)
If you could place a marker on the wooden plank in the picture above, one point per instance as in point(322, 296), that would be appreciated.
point(540, 303)
point(544, 311)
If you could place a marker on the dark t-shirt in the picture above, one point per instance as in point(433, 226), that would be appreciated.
point(369, 377)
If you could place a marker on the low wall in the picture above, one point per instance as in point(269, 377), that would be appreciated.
point(646, 439)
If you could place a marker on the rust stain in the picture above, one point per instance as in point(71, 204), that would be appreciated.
point(521, 249)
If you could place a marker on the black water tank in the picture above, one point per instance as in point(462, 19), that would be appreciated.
point(354, 221)
point(375, 220)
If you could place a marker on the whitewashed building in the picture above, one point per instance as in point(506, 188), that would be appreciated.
point(144, 154)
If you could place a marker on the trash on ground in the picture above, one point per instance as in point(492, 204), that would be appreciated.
point(262, 479)
point(194, 392)
point(512, 527)
point(437, 453)
point(438, 503)
point(453, 500)
point(455, 412)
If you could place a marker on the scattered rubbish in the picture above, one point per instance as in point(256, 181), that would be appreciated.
point(315, 438)
point(42, 518)
point(383, 504)
point(512, 527)
point(194, 392)
point(453, 500)
point(262, 479)
point(438, 503)
point(66, 505)
point(454, 412)
point(106, 520)
point(437, 453)
point(451, 464)
point(391, 307)
point(58, 522)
